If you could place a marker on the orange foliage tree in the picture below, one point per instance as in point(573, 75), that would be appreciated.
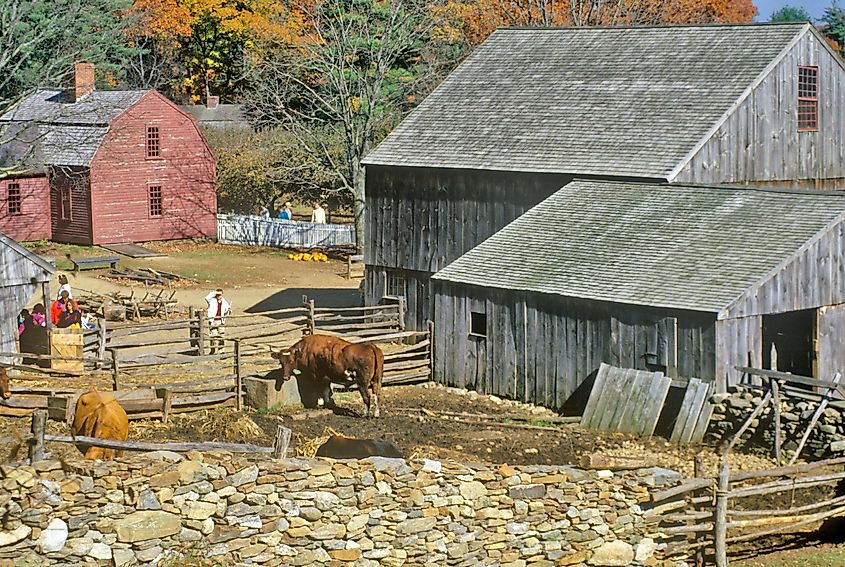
point(473, 20)
point(204, 42)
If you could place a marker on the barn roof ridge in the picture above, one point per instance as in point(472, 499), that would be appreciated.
point(620, 101)
point(655, 26)
point(722, 186)
point(692, 247)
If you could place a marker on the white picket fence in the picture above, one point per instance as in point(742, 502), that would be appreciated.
point(263, 231)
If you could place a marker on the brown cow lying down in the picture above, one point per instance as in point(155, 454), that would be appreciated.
point(5, 390)
point(99, 415)
point(323, 359)
point(338, 447)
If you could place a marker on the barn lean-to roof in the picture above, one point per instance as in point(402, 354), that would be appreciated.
point(676, 246)
point(629, 102)
point(22, 266)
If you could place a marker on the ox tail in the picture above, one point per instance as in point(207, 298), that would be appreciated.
point(378, 368)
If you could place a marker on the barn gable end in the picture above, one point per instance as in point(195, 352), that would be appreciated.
point(759, 139)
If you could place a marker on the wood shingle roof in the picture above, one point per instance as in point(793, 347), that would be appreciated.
point(677, 246)
point(589, 101)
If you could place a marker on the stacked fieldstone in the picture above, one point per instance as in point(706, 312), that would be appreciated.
point(141, 510)
point(732, 409)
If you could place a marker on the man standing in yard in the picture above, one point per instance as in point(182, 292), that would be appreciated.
point(218, 309)
point(318, 215)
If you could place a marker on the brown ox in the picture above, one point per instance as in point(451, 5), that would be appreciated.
point(5, 391)
point(99, 415)
point(323, 360)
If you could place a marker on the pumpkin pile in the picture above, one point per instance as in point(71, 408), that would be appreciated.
point(308, 257)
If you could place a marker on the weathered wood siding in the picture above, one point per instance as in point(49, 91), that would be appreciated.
point(739, 342)
point(541, 349)
point(33, 222)
point(814, 277)
point(121, 174)
point(77, 229)
point(831, 337)
point(420, 219)
point(761, 141)
point(418, 300)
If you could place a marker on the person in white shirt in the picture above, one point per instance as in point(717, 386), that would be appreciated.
point(318, 215)
point(218, 309)
point(64, 285)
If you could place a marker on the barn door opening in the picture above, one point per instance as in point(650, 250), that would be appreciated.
point(793, 335)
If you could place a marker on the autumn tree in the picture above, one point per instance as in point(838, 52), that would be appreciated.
point(197, 47)
point(834, 19)
point(354, 69)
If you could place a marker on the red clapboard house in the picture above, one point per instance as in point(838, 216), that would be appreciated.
point(104, 167)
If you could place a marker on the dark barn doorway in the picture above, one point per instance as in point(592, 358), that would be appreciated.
point(794, 337)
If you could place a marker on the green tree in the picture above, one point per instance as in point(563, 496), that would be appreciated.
point(834, 19)
point(790, 14)
point(39, 42)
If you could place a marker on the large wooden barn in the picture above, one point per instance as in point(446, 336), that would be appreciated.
point(22, 275)
point(692, 280)
point(101, 167)
point(531, 109)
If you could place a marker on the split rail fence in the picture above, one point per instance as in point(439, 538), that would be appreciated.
point(145, 365)
point(703, 516)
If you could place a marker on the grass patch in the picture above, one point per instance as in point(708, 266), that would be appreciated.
point(537, 422)
point(60, 252)
point(807, 558)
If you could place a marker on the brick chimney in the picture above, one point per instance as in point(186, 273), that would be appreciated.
point(212, 101)
point(83, 81)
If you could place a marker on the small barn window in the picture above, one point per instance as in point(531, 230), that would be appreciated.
point(153, 142)
point(155, 201)
point(396, 285)
point(477, 324)
point(808, 98)
point(13, 199)
point(65, 204)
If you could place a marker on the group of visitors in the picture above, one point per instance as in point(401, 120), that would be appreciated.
point(65, 312)
point(318, 215)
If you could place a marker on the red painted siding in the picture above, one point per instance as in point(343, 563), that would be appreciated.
point(77, 228)
point(33, 222)
point(121, 175)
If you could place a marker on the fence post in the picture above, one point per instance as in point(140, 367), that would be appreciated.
point(720, 515)
point(698, 467)
point(776, 402)
point(430, 350)
point(238, 378)
point(309, 304)
point(115, 370)
point(166, 395)
point(39, 425)
point(280, 444)
point(401, 313)
point(101, 335)
point(192, 331)
point(201, 324)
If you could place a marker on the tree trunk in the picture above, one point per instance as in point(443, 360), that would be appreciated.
point(359, 206)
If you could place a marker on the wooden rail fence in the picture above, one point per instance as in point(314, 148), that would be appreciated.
point(705, 515)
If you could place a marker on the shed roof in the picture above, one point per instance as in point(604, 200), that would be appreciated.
point(591, 101)
point(678, 246)
point(65, 133)
point(22, 266)
point(222, 115)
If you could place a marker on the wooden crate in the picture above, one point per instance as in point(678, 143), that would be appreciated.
point(69, 343)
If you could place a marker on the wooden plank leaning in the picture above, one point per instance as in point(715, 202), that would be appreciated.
point(763, 403)
point(819, 410)
point(595, 395)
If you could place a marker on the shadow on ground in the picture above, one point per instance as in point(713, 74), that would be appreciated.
point(323, 297)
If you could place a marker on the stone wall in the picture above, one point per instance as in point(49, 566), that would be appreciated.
point(732, 409)
point(145, 509)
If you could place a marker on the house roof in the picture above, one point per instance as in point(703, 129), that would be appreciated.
point(220, 116)
point(65, 133)
point(676, 246)
point(591, 101)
